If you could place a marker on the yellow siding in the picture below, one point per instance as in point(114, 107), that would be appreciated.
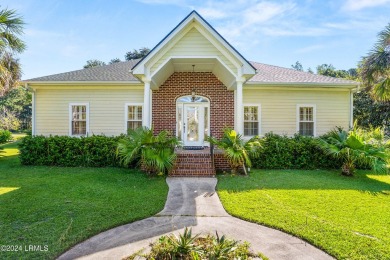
point(193, 44)
point(279, 108)
point(106, 109)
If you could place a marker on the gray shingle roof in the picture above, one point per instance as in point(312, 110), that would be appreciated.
point(113, 72)
point(274, 74)
point(265, 74)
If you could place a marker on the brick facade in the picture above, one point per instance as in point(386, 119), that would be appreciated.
point(181, 84)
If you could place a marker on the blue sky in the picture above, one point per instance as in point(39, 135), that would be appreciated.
point(62, 35)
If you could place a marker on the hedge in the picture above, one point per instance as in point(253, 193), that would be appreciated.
point(298, 152)
point(92, 151)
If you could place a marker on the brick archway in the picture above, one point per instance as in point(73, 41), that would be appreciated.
point(182, 83)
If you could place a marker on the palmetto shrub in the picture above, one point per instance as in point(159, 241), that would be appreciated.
point(195, 247)
point(237, 150)
point(154, 153)
point(358, 146)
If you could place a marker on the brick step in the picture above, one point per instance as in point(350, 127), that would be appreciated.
point(193, 165)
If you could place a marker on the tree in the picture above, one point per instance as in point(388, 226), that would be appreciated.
point(367, 112)
point(375, 71)
point(10, 72)
point(94, 63)
point(238, 151)
point(357, 146)
point(15, 109)
point(131, 55)
point(297, 66)
point(11, 27)
point(115, 60)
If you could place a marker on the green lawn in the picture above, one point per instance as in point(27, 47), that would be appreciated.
point(347, 217)
point(60, 207)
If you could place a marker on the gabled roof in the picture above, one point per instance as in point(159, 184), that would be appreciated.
point(191, 17)
point(269, 74)
point(113, 72)
point(266, 74)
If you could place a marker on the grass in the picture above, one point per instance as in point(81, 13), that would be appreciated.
point(347, 217)
point(59, 207)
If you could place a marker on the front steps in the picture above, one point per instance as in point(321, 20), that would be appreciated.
point(193, 163)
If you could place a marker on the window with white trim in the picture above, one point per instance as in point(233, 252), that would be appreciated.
point(78, 119)
point(251, 120)
point(133, 116)
point(306, 120)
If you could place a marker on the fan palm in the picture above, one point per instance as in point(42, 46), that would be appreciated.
point(154, 153)
point(11, 27)
point(238, 151)
point(376, 67)
point(356, 147)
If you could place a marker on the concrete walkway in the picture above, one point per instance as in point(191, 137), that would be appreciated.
point(192, 202)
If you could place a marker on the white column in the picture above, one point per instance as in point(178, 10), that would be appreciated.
point(147, 103)
point(239, 120)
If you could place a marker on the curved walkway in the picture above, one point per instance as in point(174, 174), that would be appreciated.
point(192, 202)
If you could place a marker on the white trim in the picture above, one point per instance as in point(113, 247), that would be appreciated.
point(192, 57)
point(202, 106)
point(127, 114)
point(33, 121)
point(86, 104)
point(351, 109)
point(314, 117)
point(258, 105)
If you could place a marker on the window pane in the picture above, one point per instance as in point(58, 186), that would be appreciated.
point(139, 112)
point(251, 128)
point(306, 128)
point(180, 122)
point(305, 114)
point(131, 113)
point(250, 113)
point(79, 128)
point(133, 124)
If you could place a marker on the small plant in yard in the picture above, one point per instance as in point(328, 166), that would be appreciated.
point(195, 247)
point(5, 136)
point(155, 153)
point(238, 151)
point(357, 146)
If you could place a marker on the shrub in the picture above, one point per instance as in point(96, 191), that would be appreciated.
point(92, 151)
point(357, 146)
point(154, 153)
point(237, 151)
point(298, 152)
point(5, 136)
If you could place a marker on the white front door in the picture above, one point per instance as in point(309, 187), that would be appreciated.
point(193, 125)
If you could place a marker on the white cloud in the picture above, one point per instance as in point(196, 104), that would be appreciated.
point(265, 11)
point(356, 5)
point(311, 48)
point(211, 13)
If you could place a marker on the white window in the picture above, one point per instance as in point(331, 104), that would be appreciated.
point(251, 120)
point(306, 115)
point(133, 116)
point(78, 119)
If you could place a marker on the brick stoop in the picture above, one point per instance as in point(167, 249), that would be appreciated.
point(193, 164)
